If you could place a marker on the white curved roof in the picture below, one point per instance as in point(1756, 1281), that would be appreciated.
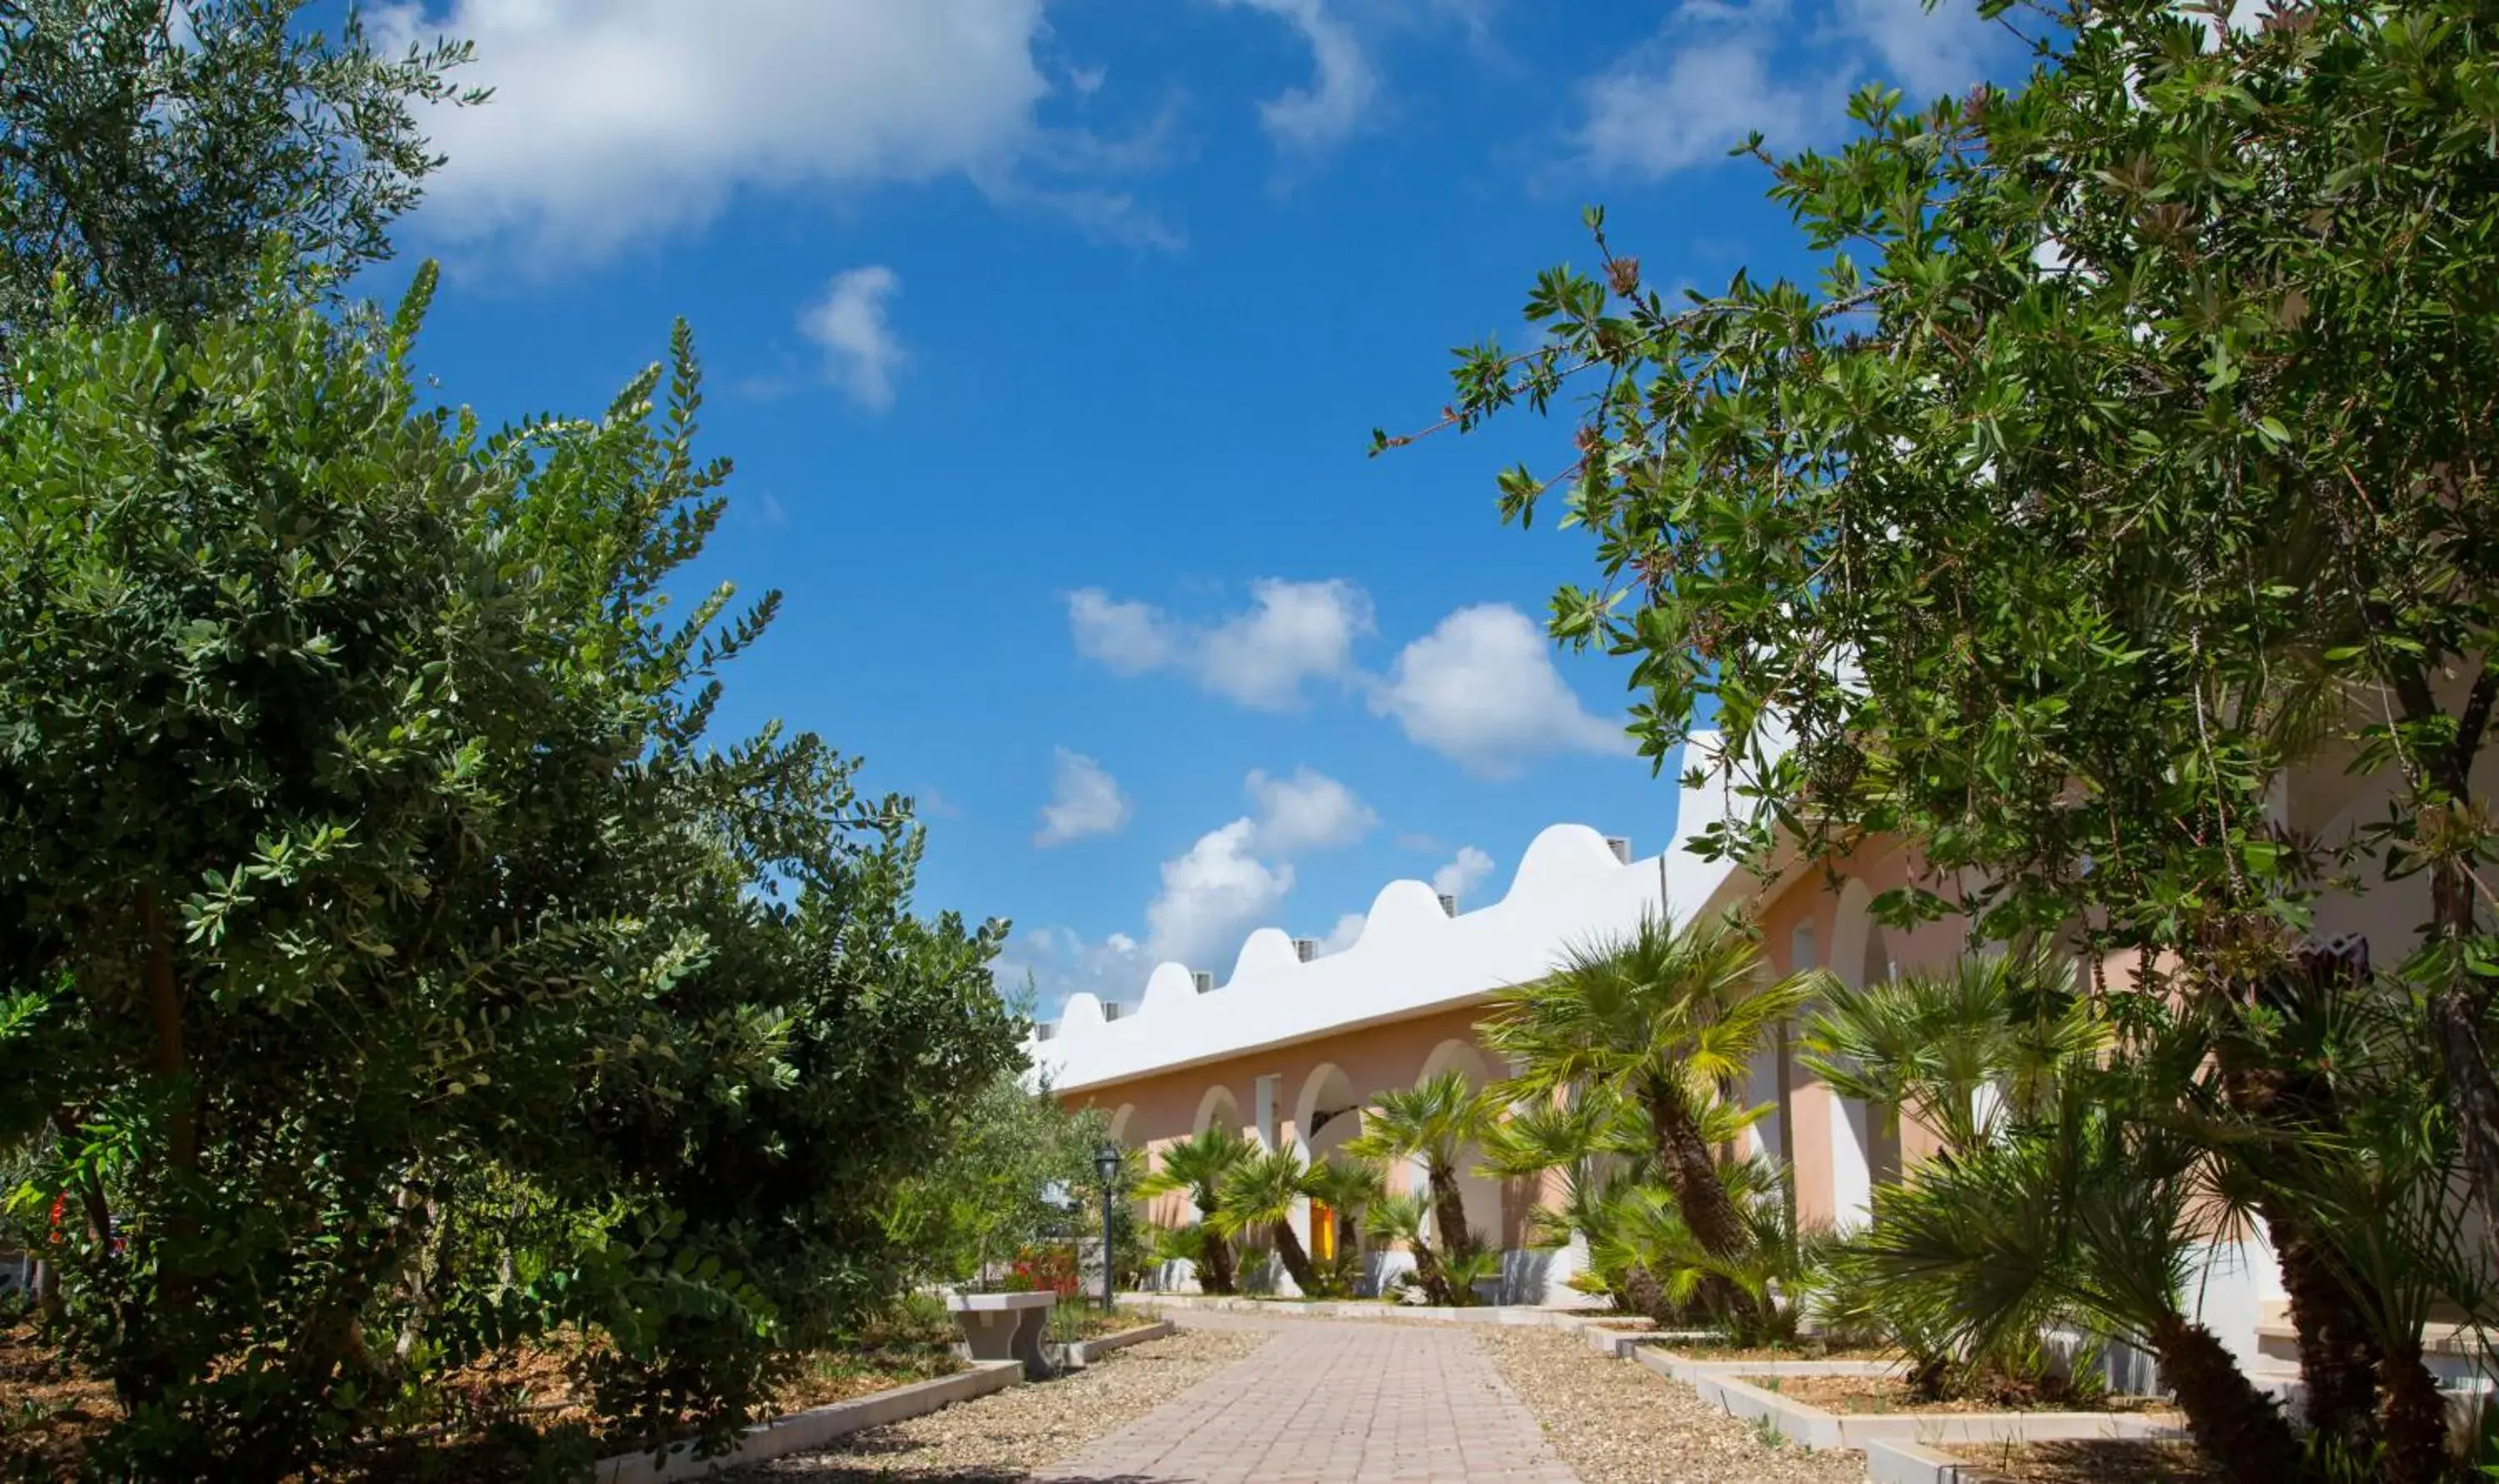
point(1410, 959)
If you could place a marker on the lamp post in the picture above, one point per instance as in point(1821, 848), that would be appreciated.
point(1106, 1164)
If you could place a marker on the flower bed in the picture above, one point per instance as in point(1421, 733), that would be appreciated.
point(2088, 1462)
point(1885, 1395)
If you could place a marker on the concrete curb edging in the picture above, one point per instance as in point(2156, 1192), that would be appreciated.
point(1819, 1429)
point(1328, 1309)
point(1085, 1352)
point(1908, 1463)
point(798, 1431)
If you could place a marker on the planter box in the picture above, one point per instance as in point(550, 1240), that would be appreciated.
point(799, 1431)
point(1005, 1326)
point(1816, 1427)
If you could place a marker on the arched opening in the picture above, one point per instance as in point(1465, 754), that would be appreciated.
point(1325, 1115)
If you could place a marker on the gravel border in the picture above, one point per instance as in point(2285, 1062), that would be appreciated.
point(1002, 1438)
point(1619, 1423)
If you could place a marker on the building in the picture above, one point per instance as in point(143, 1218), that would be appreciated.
point(1289, 1047)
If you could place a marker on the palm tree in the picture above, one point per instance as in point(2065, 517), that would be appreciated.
point(1201, 1167)
point(1960, 1050)
point(2086, 1213)
point(1435, 1121)
point(1400, 1217)
point(1346, 1188)
point(1668, 1021)
point(1260, 1193)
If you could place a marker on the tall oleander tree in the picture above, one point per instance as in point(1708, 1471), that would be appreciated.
point(392, 966)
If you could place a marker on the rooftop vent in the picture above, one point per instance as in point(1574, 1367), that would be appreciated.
point(1306, 948)
point(1621, 846)
point(1204, 979)
point(1449, 904)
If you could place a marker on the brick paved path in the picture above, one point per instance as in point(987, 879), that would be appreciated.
point(1333, 1404)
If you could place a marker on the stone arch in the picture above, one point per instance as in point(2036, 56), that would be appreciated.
point(1479, 1195)
point(1217, 1108)
point(1327, 1112)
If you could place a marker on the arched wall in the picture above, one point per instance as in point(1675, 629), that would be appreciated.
point(1481, 1197)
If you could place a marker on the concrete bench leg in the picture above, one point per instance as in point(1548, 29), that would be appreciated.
point(1014, 1333)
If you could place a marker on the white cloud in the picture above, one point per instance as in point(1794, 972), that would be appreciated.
point(1719, 69)
point(1468, 870)
point(1649, 118)
point(1058, 962)
point(1212, 897)
point(1293, 633)
point(1482, 689)
point(1308, 811)
point(1341, 937)
point(1343, 84)
point(850, 322)
point(1084, 800)
point(1129, 638)
point(615, 121)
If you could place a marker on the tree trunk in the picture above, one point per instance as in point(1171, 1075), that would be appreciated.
point(1647, 1295)
point(1449, 1211)
point(1297, 1262)
point(1684, 1159)
point(2338, 1357)
point(1216, 1272)
point(2414, 1421)
point(2238, 1426)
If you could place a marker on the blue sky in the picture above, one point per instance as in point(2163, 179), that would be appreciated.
point(1047, 334)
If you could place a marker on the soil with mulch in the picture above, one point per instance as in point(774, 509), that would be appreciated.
point(1861, 1395)
point(50, 1415)
point(2099, 1461)
point(1802, 1349)
point(1616, 1422)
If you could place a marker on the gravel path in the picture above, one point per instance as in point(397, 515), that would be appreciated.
point(1002, 1438)
point(1618, 1423)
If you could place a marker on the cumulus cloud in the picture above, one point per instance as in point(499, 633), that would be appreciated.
point(1212, 897)
point(1129, 638)
point(851, 324)
point(1718, 70)
point(1084, 800)
point(1291, 633)
point(1468, 870)
point(1341, 937)
point(1482, 689)
point(619, 120)
point(1308, 119)
point(1308, 811)
point(1054, 963)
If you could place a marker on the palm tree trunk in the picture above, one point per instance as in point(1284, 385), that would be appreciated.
point(2414, 1422)
point(1647, 1295)
point(1685, 1160)
point(1449, 1211)
point(1218, 1275)
point(2238, 1426)
point(1297, 1262)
